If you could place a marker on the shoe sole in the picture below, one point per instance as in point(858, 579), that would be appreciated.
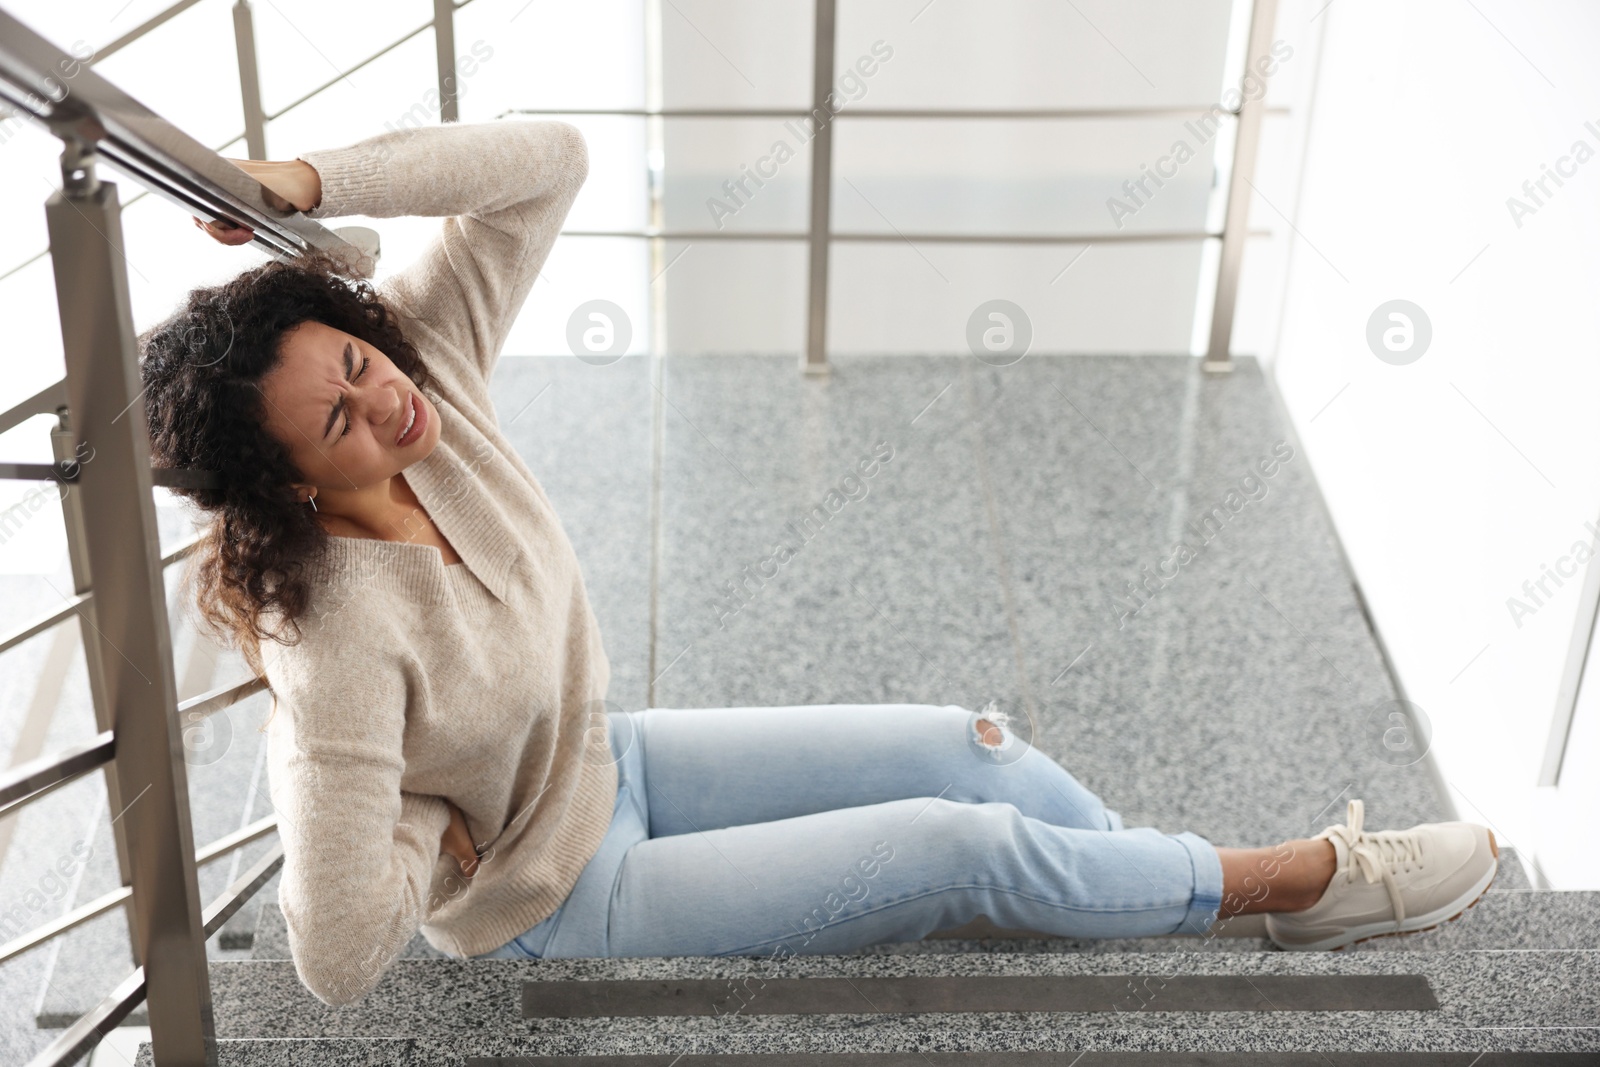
point(1336, 944)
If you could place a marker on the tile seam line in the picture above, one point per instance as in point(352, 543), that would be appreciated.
point(1008, 597)
point(657, 375)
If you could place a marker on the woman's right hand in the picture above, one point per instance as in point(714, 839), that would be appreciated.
point(457, 841)
point(288, 185)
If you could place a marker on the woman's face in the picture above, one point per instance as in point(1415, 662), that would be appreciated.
point(340, 407)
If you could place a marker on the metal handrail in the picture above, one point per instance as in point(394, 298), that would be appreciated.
point(134, 139)
point(134, 692)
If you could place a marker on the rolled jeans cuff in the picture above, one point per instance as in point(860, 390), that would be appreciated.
point(1206, 902)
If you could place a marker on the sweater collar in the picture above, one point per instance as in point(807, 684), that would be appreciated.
point(449, 483)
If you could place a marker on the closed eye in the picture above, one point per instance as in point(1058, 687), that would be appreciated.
point(364, 361)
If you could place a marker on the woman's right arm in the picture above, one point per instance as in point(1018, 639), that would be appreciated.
point(361, 854)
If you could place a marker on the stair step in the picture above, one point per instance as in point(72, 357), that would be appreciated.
point(1505, 919)
point(272, 938)
point(1511, 874)
point(1204, 1049)
point(1524, 1000)
point(324, 1052)
point(1512, 919)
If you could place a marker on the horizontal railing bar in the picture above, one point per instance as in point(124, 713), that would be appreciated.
point(926, 238)
point(243, 836)
point(81, 600)
point(38, 794)
point(336, 79)
point(44, 622)
point(140, 30)
point(37, 472)
point(22, 783)
point(884, 113)
point(244, 887)
point(222, 697)
point(106, 901)
point(90, 1028)
point(45, 402)
point(182, 550)
point(61, 924)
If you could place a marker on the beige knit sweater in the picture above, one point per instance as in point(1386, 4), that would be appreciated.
point(480, 682)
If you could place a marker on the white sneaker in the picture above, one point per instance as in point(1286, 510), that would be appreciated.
point(1412, 880)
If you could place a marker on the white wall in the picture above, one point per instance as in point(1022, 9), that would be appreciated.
point(1456, 478)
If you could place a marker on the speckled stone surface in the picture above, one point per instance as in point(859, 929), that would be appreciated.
point(897, 598)
point(272, 940)
point(585, 432)
point(986, 560)
point(1235, 702)
point(916, 1050)
point(479, 1000)
point(1513, 919)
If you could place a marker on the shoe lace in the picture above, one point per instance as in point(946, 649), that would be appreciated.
point(1377, 854)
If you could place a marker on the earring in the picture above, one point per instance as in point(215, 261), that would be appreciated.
point(312, 500)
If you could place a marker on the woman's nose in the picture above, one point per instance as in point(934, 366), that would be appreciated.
point(383, 401)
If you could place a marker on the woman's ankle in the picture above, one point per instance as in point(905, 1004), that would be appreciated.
point(1289, 877)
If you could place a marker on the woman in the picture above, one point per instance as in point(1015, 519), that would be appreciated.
point(439, 753)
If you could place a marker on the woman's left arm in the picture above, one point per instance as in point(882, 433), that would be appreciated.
point(504, 188)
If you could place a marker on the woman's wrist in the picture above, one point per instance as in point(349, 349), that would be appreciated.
point(293, 184)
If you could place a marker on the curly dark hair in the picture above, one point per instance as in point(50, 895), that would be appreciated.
point(201, 368)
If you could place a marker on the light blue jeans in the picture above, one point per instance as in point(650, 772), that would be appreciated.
point(826, 828)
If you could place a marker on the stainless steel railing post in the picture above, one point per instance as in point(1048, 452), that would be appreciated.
point(1246, 145)
point(819, 242)
point(67, 447)
point(130, 626)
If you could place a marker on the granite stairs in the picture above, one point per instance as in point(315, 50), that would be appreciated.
point(1516, 980)
point(1004, 553)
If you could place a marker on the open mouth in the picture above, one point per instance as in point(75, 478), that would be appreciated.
point(416, 422)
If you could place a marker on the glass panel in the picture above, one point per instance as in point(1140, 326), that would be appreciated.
point(737, 174)
point(204, 101)
point(616, 194)
point(735, 54)
point(399, 89)
point(1296, 37)
point(1265, 268)
point(579, 270)
point(1133, 298)
point(30, 170)
point(1022, 176)
point(544, 54)
point(1038, 53)
point(300, 44)
point(736, 297)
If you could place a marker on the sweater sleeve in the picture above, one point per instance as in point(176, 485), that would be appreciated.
point(504, 188)
point(360, 854)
